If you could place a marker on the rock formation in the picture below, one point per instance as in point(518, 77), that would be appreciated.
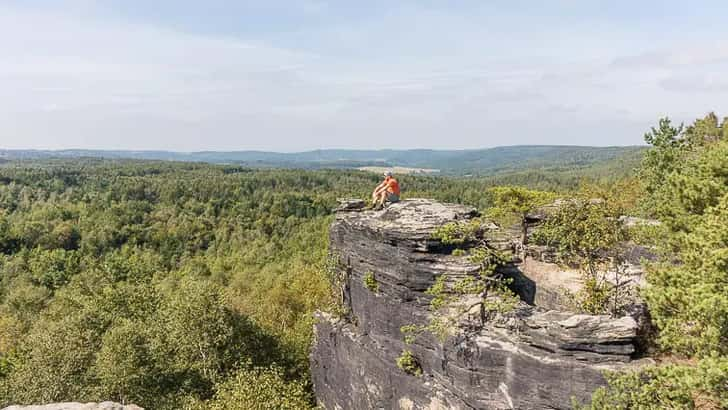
point(536, 358)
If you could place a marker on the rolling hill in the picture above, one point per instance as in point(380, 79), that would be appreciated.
point(449, 162)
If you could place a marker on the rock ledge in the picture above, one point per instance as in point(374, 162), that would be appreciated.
point(536, 359)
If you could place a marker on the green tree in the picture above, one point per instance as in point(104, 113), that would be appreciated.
point(588, 233)
point(6, 241)
point(686, 173)
point(261, 388)
point(53, 269)
point(517, 202)
point(197, 332)
point(125, 366)
point(53, 364)
point(670, 386)
point(487, 290)
point(689, 300)
point(672, 154)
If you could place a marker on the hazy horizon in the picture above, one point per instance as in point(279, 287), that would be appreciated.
point(317, 149)
point(292, 76)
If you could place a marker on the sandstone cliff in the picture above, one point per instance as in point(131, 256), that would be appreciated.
point(536, 359)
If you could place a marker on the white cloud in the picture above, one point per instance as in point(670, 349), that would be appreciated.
point(70, 79)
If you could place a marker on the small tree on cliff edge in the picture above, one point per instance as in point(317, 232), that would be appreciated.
point(511, 203)
point(487, 290)
point(588, 233)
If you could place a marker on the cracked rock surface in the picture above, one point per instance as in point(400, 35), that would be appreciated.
point(537, 359)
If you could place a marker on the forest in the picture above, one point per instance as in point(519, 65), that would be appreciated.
point(187, 285)
point(169, 284)
point(480, 162)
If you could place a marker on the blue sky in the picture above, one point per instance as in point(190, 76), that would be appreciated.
point(297, 75)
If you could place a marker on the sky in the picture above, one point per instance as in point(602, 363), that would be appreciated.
point(188, 75)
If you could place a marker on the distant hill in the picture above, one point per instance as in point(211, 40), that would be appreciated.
point(449, 162)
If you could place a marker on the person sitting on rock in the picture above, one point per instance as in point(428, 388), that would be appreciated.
point(387, 191)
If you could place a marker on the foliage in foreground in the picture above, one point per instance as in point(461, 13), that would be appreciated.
point(259, 388)
point(672, 386)
point(689, 299)
point(685, 176)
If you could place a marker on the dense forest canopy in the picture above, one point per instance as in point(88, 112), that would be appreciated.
point(163, 283)
point(189, 285)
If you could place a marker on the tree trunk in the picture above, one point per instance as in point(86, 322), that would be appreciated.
point(524, 239)
point(524, 230)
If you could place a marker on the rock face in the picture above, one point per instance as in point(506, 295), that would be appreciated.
point(533, 359)
point(107, 405)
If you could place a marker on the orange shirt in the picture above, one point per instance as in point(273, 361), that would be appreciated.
point(392, 185)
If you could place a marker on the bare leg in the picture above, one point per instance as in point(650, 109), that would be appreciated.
point(381, 199)
point(375, 199)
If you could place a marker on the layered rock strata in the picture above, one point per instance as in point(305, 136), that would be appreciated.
point(535, 358)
